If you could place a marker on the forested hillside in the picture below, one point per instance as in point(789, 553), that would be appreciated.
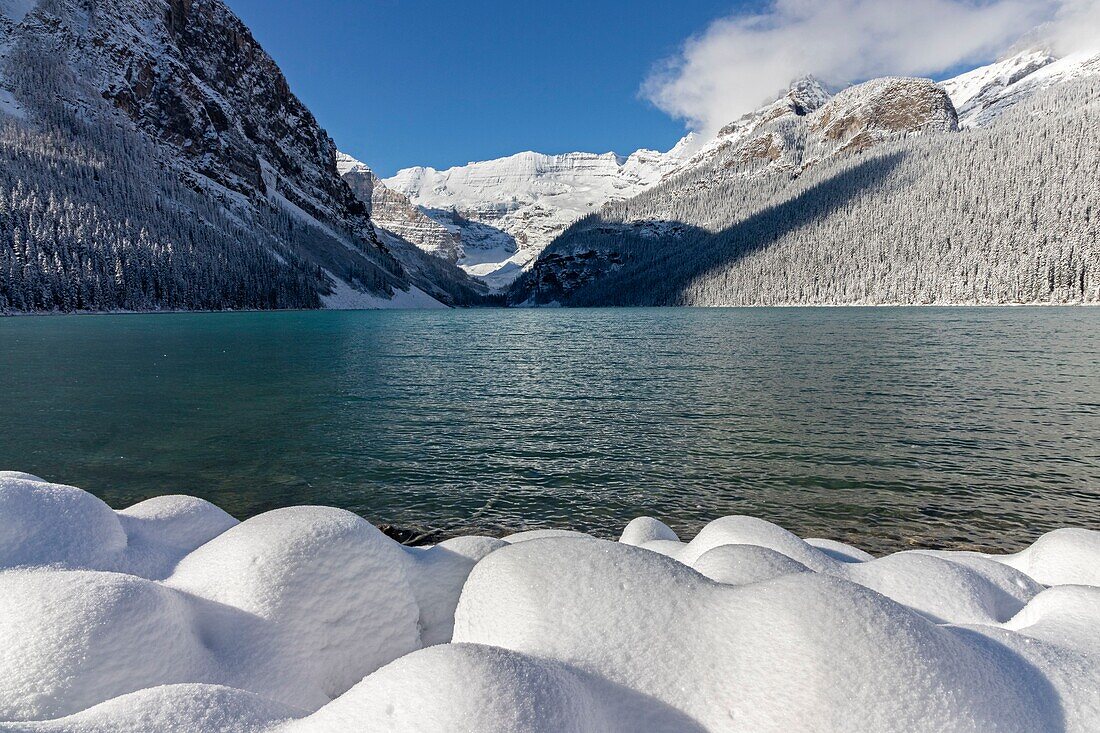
point(64, 245)
point(1002, 214)
point(153, 157)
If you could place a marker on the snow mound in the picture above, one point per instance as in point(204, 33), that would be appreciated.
point(744, 564)
point(172, 616)
point(643, 530)
point(1061, 557)
point(182, 708)
point(770, 656)
point(49, 524)
point(335, 589)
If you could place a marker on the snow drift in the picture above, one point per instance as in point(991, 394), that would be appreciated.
point(172, 616)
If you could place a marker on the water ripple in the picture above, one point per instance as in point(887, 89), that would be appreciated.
point(886, 427)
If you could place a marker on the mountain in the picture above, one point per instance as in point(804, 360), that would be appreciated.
point(482, 251)
point(154, 157)
point(507, 210)
point(875, 196)
point(529, 199)
point(805, 95)
point(986, 93)
point(394, 215)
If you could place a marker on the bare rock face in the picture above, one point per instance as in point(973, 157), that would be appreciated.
point(393, 213)
point(190, 74)
point(868, 113)
point(188, 77)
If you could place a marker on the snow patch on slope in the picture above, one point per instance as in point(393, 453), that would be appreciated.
point(9, 106)
point(16, 10)
point(346, 297)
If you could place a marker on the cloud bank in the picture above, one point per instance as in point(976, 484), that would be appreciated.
point(1076, 26)
point(744, 60)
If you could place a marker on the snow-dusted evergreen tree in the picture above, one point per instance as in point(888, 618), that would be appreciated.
point(1004, 214)
point(155, 158)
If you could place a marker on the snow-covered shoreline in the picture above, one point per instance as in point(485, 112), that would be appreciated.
point(172, 616)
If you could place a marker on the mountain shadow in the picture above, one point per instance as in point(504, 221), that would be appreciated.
point(605, 263)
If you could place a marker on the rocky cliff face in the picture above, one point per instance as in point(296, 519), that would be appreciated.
point(190, 74)
point(507, 210)
point(867, 114)
point(189, 78)
point(393, 213)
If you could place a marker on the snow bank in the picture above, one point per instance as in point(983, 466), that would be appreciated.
point(172, 616)
point(345, 297)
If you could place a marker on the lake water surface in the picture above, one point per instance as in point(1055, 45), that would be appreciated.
point(884, 427)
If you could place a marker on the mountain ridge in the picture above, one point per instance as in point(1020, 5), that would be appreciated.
point(978, 98)
point(179, 104)
point(926, 214)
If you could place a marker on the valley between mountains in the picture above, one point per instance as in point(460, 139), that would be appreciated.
point(155, 158)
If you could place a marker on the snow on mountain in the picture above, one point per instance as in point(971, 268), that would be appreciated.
point(394, 215)
point(808, 125)
point(874, 198)
point(804, 96)
point(200, 147)
point(984, 94)
point(507, 210)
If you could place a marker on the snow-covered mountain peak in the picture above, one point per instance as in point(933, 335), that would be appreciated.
point(528, 198)
point(807, 94)
point(804, 96)
point(346, 164)
point(983, 95)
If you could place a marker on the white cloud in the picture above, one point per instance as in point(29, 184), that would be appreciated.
point(744, 60)
point(1075, 27)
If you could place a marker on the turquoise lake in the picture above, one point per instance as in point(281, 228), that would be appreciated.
point(976, 428)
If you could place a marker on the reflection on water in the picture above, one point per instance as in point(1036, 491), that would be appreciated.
point(885, 427)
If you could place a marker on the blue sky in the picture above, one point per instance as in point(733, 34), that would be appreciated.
point(431, 82)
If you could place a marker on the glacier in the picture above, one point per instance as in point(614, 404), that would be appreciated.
point(528, 199)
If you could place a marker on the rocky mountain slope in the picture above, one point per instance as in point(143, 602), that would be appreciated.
point(482, 251)
point(511, 208)
point(198, 146)
point(986, 93)
point(392, 213)
point(875, 196)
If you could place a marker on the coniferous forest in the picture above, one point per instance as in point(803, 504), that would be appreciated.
point(1003, 214)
